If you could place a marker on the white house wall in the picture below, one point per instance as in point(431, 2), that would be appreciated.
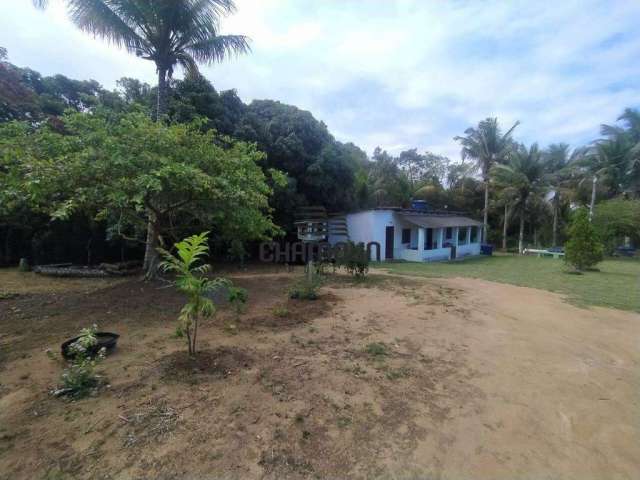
point(370, 226)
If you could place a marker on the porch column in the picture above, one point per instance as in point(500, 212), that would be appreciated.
point(455, 236)
point(421, 237)
point(440, 237)
point(468, 235)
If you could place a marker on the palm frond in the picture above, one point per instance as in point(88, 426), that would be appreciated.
point(218, 48)
point(103, 18)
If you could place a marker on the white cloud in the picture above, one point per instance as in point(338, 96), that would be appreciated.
point(397, 74)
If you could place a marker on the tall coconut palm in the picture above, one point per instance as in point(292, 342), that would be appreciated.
point(608, 161)
point(627, 136)
point(557, 157)
point(486, 145)
point(170, 33)
point(505, 200)
point(523, 178)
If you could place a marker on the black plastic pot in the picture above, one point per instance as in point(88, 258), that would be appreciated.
point(106, 340)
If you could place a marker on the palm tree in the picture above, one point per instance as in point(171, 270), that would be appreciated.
point(168, 32)
point(608, 162)
point(505, 200)
point(628, 136)
point(522, 179)
point(486, 145)
point(557, 157)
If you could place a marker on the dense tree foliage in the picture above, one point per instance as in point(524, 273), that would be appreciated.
point(127, 171)
point(617, 219)
point(316, 168)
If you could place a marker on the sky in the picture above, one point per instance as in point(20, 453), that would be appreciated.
point(397, 74)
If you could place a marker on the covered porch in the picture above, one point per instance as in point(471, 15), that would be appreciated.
point(430, 238)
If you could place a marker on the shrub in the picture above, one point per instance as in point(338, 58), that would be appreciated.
point(192, 281)
point(306, 289)
point(377, 350)
point(79, 378)
point(355, 259)
point(238, 299)
point(583, 249)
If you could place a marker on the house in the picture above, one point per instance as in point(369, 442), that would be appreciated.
point(417, 234)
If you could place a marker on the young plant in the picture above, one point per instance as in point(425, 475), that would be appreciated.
point(191, 279)
point(238, 299)
point(79, 377)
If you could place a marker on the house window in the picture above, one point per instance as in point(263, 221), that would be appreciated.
point(462, 235)
point(474, 234)
point(449, 233)
point(406, 235)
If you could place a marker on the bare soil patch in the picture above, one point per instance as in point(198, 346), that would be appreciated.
point(390, 378)
point(220, 363)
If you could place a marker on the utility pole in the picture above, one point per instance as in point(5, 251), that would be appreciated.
point(593, 198)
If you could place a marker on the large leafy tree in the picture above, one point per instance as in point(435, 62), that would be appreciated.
point(388, 184)
point(616, 220)
point(170, 33)
point(522, 179)
point(486, 145)
point(17, 100)
point(423, 169)
point(129, 171)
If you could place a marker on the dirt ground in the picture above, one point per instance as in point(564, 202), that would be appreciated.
point(393, 378)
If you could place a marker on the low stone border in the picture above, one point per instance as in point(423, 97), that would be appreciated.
point(101, 271)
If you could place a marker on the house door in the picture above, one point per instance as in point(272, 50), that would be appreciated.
point(388, 249)
point(429, 241)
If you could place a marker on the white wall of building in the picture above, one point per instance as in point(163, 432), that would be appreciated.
point(370, 226)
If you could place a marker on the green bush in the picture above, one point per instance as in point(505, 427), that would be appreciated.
point(377, 350)
point(306, 289)
point(238, 299)
point(583, 249)
point(355, 259)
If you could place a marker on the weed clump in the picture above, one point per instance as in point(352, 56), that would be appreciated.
point(377, 350)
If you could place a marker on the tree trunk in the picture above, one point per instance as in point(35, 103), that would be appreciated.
point(161, 105)
point(485, 226)
point(150, 264)
point(593, 197)
point(195, 336)
point(521, 235)
point(505, 226)
point(554, 239)
point(535, 237)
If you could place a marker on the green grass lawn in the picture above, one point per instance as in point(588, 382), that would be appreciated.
point(616, 285)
